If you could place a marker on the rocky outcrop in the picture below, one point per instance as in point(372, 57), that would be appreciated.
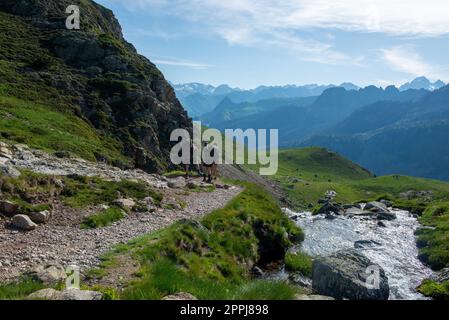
point(350, 275)
point(110, 86)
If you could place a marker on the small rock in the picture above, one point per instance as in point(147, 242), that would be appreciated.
point(388, 203)
point(258, 272)
point(177, 183)
point(180, 296)
point(125, 203)
point(81, 295)
point(376, 206)
point(300, 280)
point(329, 207)
point(381, 224)
point(40, 217)
point(8, 170)
point(360, 244)
point(45, 294)
point(148, 200)
point(50, 274)
point(313, 297)
point(8, 208)
point(386, 216)
point(5, 151)
point(23, 222)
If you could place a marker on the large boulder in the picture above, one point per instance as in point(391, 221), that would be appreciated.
point(348, 274)
point(8, 208)
point(23, 222)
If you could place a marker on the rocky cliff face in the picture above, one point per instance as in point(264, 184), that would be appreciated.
point(119, 92)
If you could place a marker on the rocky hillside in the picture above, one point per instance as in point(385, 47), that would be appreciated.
point(111, 103)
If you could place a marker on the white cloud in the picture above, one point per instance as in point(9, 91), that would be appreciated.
point(278, 23)
point(181, 63)
point(406, 60)
point(399, 17)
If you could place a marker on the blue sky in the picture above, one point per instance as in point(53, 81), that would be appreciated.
point(246, 43)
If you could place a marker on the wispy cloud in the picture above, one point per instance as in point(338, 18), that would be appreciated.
point(181, 63)
point(281, 23)
point(405, 59)
point(400, 17)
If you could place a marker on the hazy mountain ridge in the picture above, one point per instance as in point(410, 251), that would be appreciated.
point(395, 137)
point(199, 99)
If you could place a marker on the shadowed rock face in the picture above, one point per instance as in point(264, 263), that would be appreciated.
point(346, 275)
point(118, 91)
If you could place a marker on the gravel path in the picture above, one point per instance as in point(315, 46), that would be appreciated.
point(67, 245)
point(62, 241)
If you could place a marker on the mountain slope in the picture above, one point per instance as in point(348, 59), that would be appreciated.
point(230, 113)
point(199, 99)
point(297, 120)
point(395, 138)
point(92, 76)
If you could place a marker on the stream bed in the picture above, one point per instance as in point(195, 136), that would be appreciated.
point(393, 246)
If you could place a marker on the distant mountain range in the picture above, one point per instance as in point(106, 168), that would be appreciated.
point(389, 131)
point(199, 99)
point(395, 137)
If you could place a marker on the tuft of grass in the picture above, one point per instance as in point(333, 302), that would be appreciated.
point(75, 191)
point(266, 290)
point(20, 289)
point(433, 243)
point(299, 262)
point(82, 191)
point(43, 127)
point(103, 219)
point(438, 291)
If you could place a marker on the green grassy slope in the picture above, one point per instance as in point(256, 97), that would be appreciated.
point(306, 174)
point(32, 110)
